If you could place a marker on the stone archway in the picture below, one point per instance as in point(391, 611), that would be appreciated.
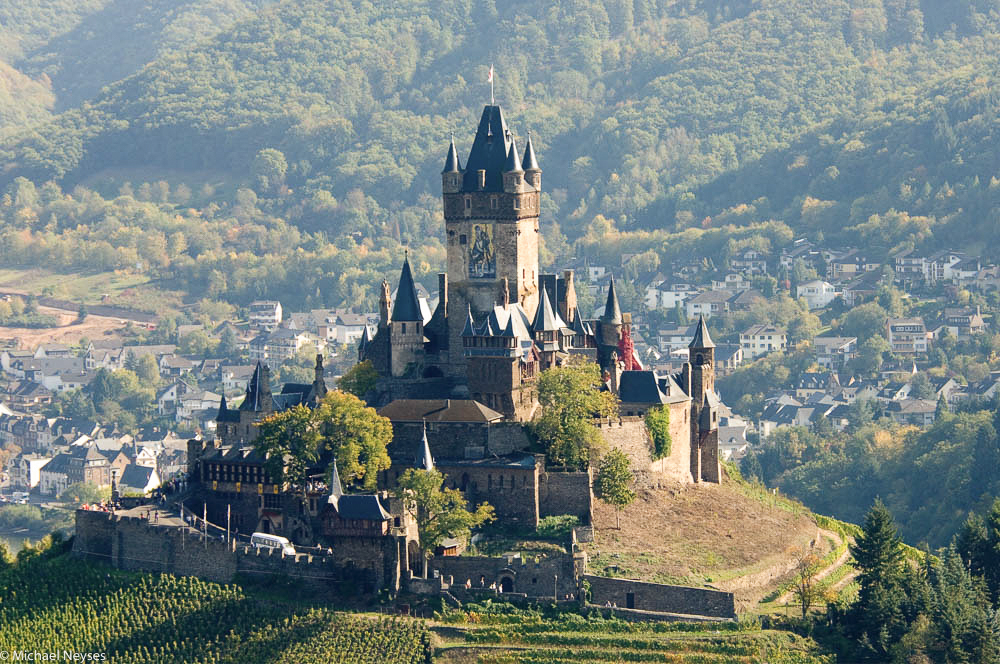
point(506, 584)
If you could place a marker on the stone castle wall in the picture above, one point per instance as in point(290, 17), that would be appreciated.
point(132, 543)
point(659, 597)
point(556, 574)
point(565, 493)
point(629, 434)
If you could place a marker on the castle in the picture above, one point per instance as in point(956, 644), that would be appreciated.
point(459, 384)
point(499, 322)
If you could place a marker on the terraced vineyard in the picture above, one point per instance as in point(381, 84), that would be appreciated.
point(528, 638)
point(59, 603)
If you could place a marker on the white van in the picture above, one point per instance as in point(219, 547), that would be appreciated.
point(265, 541)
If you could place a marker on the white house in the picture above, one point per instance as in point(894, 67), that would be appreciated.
point(762, 339)
point(667, 296)
point(265, 314)
point(817, 293)
point(25, 470)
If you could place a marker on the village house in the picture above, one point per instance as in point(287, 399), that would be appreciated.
point(708, 303)
point(762, 339)
point(835, 352)
point(265, 314)
point(817, 293)
point(906, 335)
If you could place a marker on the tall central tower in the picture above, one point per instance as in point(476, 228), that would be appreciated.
point(491, 226)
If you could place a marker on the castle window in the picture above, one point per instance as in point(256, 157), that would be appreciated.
point(404, 328)
point(494, 203)
point(468, 203)
point(517, 204)
point(462, 239)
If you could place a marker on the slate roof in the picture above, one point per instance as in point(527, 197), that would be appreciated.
point(451, 162)
point(256, 389)
point(612, 310)
point(508, 461)
point(546, 318)
point(640, 387)
point(439, 410)
point(702, 339)
point(407, 304)
point(489, 152)
point(530, 162)
point(356, 508)
point(135, 477)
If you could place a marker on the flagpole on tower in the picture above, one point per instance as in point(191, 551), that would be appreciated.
point(490, 78)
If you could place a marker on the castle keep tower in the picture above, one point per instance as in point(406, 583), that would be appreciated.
point(700, 375)
point(491, 223)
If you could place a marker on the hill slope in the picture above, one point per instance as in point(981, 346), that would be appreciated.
point(733, 536)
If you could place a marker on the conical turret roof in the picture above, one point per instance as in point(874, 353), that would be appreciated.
point(470, 325)
point(702, 339)
point(530, 162)
point(336, 488)
point(407, 307)
point(451, 162)
point(513, 163)
point(546, 319)
point(425, 461)
point(612, 310)
point(223, 408)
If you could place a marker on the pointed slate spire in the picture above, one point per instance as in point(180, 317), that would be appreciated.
point(612, 310)
point(407, 304)
point(546, 319)
point(424, 460)
point(336, 488)
point(489, 152)
point(530, 162)
point(258, 389)
point(470, 325)
point(451, 162)
point(223, 408)
point(513, 163)
point(701, 339)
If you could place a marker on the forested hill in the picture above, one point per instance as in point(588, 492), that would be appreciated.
point(649, 118)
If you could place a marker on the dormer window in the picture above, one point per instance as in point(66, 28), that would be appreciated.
point(482, 178)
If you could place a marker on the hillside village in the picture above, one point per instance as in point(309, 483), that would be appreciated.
point(191, 385)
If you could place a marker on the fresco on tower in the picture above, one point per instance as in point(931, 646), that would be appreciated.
point(482, 259)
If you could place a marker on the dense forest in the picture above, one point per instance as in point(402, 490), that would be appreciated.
point(290, 149)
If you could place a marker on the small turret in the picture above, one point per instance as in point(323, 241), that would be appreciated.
point(513, 174)
point(532, 172)
point(513, 163)
point(451, 175)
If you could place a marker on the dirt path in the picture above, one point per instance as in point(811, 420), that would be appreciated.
point(69, 331)
point(826, 571)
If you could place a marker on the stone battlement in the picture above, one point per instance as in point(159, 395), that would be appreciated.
point(133, 543)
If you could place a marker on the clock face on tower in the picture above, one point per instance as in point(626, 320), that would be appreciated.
point(482, 259)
